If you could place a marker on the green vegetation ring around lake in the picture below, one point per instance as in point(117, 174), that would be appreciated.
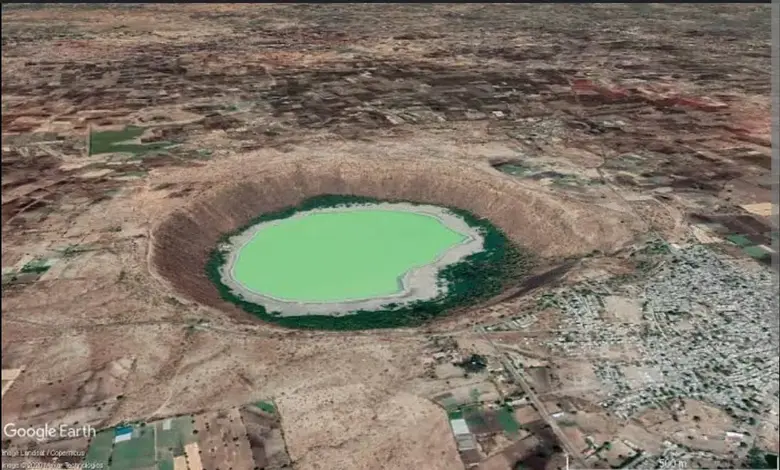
point(473, 276)
point(338, 260)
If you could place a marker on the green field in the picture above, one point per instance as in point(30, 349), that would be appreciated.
point(139, 452)
point(516, 169)
point(507, 420)
point(153, 445)
point(756, 252)
point(341, 255)
point(266, 406)
point(121, 142)
point(100, 449)
point(739, 240)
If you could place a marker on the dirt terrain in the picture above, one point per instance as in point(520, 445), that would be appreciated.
point(134, 135)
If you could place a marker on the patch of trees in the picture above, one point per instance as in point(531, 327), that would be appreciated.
point(756, 458)
point(473, 363)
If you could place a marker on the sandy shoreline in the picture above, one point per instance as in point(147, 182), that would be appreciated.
point(419, 283)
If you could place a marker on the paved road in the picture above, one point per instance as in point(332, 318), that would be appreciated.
point(574, 454)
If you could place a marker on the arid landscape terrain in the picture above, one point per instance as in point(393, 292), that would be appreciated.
point(627, 147)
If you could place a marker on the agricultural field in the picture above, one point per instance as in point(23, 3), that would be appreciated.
point(614, 159)
point(193, 442)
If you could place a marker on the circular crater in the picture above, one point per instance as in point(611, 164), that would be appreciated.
point(361, 243)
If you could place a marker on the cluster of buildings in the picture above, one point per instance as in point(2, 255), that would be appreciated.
point(696, 326)
point(706, 333)
point(676, 457)
point(519, 322)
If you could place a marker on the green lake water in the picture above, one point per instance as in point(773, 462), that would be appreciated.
point(341, 255)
